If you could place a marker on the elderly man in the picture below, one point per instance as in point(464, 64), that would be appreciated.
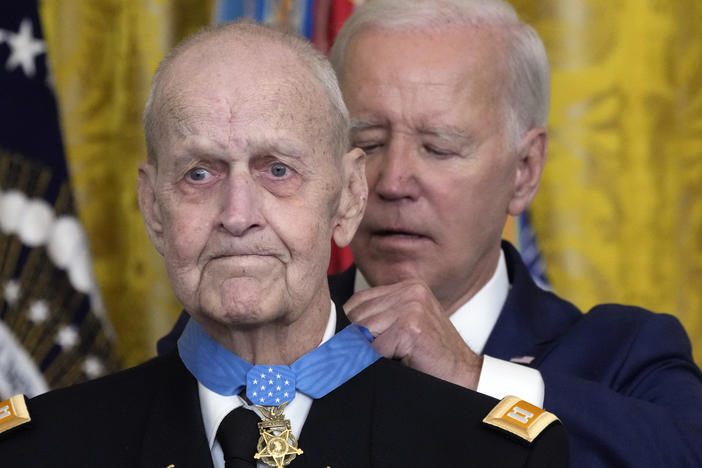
point(248, 177)
point(449, 99)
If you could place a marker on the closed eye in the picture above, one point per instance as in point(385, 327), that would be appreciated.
point(437, 152)
point(369, 148)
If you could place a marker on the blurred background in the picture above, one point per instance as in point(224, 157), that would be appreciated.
point(618, 217)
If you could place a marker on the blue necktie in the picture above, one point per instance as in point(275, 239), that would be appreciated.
point(316, 373)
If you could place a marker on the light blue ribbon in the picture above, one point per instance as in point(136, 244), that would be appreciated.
point(316, 373)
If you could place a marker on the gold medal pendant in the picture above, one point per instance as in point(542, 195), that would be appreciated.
point(277, 446)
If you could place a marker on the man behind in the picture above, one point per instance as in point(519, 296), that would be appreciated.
point(248, 177)
point(449, 99)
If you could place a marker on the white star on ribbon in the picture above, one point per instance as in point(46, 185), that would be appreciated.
point(24, 48)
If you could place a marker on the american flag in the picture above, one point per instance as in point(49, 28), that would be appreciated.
point(53, 327)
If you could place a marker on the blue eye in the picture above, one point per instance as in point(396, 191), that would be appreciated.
point(279, 170)
point(198, 174)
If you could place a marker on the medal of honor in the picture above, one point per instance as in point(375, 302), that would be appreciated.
point(271, 387)
point(277, 446)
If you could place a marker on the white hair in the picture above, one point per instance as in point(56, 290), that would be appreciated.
point(528, 80)
point(245, 31)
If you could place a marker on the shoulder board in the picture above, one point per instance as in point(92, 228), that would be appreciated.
point(520, 418)
point(13, 413)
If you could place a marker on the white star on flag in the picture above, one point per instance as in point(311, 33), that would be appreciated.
point(38, 311)
point(92, 367)
point(24, 48)
point(12, 292)
point(67, 337)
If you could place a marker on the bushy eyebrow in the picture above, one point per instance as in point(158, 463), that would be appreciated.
point(277, 146)
point(447, 133)
point(358, 125)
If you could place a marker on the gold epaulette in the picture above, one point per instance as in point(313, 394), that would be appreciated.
point(519, 418)
point(13, 413)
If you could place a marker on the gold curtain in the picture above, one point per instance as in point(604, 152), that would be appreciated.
point(617, 216)
point(103, 54)
point(619, 212)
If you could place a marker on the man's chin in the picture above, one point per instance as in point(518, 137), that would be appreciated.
point(231, 317)
point(386, 271)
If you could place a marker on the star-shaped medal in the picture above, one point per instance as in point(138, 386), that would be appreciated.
point(277, 450)
point(277, 446)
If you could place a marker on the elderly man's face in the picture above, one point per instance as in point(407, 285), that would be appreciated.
point(428, 111)
point(243, 202)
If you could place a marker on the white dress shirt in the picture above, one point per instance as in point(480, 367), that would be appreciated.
point(215, 407)
point(474, 321)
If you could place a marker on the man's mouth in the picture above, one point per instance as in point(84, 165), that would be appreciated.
point(398, 234)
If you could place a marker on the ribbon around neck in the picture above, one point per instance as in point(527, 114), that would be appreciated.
point(316, 373)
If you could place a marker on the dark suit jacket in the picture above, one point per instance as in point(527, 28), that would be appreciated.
point(622, 379)
point(386, 416)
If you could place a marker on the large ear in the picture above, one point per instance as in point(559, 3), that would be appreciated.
point(530, 165)
point(354, 195)
point(150, 209)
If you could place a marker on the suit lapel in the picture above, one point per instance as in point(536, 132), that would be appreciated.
point(174, 432)
point(530, 319)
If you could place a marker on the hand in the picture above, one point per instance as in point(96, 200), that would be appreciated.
point(410, 325)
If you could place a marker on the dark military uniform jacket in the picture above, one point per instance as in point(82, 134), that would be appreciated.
point(386, 416)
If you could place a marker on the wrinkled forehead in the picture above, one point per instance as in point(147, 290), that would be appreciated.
point(428, 76)
point(244, 83)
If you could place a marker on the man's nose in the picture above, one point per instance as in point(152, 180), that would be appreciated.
point(240, 212)
point(395, 172)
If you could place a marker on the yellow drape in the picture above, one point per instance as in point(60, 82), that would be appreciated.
point(619, 212)
point(103, 54)
point(618, 216)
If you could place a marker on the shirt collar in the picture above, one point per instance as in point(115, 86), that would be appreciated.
point(475, 319)
point(215, 407)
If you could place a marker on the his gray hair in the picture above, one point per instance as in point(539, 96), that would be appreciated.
point(316, 63)
point(528, 80)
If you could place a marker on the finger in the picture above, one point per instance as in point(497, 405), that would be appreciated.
point(379, 313)
point(370, 294)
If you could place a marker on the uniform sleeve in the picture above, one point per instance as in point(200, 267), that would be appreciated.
point(628, 391)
